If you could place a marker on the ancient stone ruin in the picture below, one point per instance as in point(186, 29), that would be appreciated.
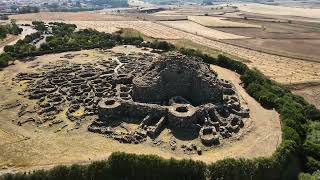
point(173, 91)
point(176, 92)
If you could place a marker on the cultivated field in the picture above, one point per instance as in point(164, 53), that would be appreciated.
point(194, 28)
point(70, 16)
point(149, 29)
point(272, 32)
point(39, 146)
point(211, 21)
point(196, 11)
point(284, 47)
point(278, 10)
point(281, 69)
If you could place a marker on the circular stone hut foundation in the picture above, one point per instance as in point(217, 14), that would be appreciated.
point(177, 92)
point(137, 98)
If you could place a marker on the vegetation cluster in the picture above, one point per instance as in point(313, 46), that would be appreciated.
point(11, 28)
point(64, 37)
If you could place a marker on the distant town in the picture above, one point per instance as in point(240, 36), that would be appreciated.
point(8, 7)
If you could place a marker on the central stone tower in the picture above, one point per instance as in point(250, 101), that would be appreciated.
point(177, 75)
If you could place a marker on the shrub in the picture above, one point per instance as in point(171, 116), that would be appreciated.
point(231, 64)
point(312, 149)
point(312, 164)
point(5, 59)
point(131, 166)
point(289, 133)
point(163, 45)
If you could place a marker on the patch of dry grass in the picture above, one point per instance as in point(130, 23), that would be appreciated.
point(210, 21)
point(197, 29)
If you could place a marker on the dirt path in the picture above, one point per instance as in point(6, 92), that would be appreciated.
point(10, 38)
point(13, 39)
point(120, 64)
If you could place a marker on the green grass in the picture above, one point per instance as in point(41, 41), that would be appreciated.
point(314, 134)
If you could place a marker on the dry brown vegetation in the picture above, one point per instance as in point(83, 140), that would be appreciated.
point(284, 47)
point(194, 28)
point(282, 69)
point(279, 10)
point(211, 21)
point(310, 91)
point(149, 29)
point(10, 38)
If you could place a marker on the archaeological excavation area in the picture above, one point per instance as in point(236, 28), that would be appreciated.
point(82, 106)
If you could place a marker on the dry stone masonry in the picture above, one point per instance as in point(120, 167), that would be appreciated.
point(176, 92)
point(135, 97)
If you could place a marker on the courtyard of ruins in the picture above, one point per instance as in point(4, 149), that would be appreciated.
point(129, 99)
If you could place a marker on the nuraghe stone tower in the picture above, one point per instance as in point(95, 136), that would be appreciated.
point(177, 92)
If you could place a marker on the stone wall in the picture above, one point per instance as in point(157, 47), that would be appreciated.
point(177, 75)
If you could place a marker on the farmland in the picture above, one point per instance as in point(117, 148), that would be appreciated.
point(210, 21)
point(194, 28)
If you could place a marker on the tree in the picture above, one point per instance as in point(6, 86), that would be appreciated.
point(13, 28)
point(39, 26)
point(3, 32)
point(5, 59)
